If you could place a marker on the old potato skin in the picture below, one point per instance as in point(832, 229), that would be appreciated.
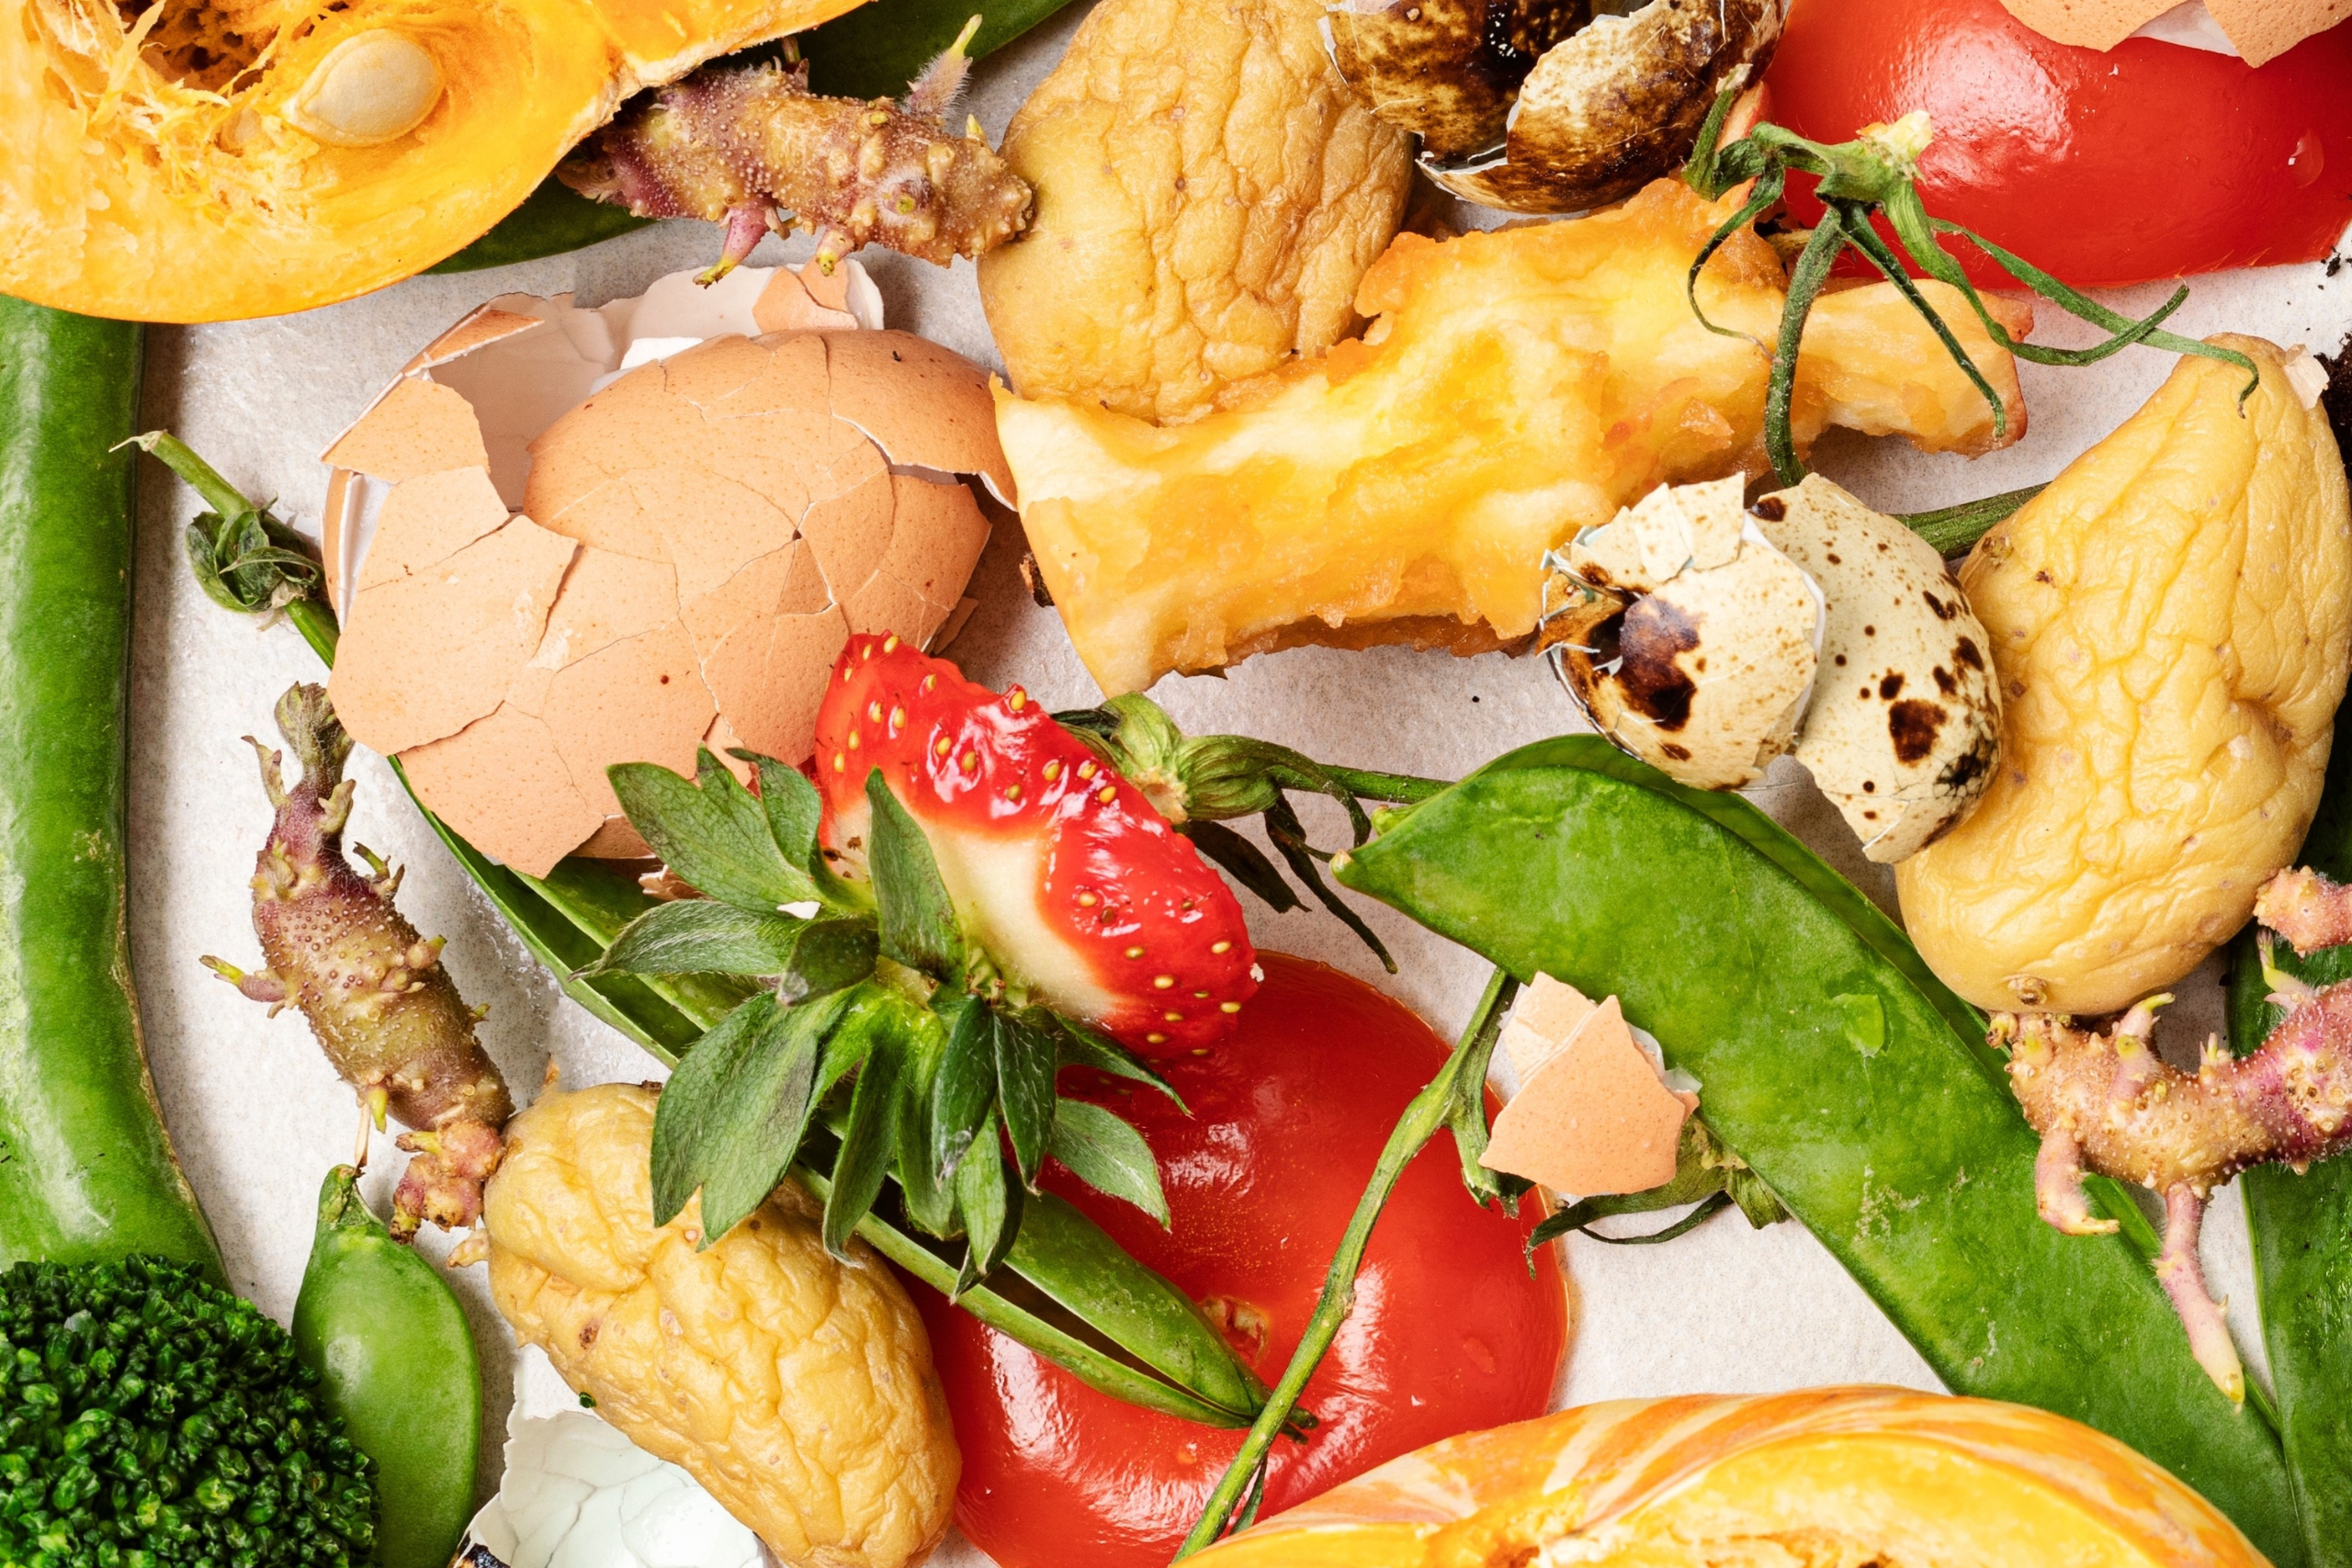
point(2169, 623)
point(1208, 193)
point(797, 1390)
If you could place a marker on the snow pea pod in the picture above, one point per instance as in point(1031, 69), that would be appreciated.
point(381, 1329)
point(1851, 1081)
point(2301, 1225)
point(85, 1169)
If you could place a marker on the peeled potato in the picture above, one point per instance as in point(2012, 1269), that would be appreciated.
point(2171, 622)
point(1822, 1477)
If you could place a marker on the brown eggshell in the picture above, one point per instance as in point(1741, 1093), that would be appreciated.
point(695, 539)
point(2265, 29)
point(422, 657)
point(926, 406)
point(1593, 1116)
point(499, 781)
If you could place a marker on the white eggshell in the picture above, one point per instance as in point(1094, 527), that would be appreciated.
point(1905, 728)
point(1704, 675)
point(578, 1494)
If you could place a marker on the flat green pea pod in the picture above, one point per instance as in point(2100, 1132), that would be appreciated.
point(1847, 1078)
point(381, 1329)
point(85, 1171)
point(2301, 1225)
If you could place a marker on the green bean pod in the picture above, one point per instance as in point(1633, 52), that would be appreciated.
point(382, 1329)
point(1851, 1081)
point(2301, 1225)
point(85, 1169)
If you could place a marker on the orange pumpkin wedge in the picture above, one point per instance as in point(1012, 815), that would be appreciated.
point(206, 160)
point(1833, 1475)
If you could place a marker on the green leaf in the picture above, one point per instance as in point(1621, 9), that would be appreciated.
point(715, 836)
point(829, 956)
point(1244, 862)
point(991, 1206)
point(731, 1119)
point(1108, 1154)
point(866, 1143)
point(702, 936)
point(1084, 1047)
point(1026, 1059)
point(792, 807)
point(918, 926)
point(964, 1092)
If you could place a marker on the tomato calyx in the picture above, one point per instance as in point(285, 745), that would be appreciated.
point(1872, 176)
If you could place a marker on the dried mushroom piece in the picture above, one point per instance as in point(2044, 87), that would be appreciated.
point(1687, 639)
point(1904, 732)
point(1533, 108)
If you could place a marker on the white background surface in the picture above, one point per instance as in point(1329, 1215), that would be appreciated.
point(259, 1117)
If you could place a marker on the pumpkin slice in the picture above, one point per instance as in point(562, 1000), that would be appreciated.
point(204, 160)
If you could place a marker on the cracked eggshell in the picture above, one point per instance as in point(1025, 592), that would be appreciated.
point(1903, 731)
point(566, 538)
point(577, 1493)
point(1687, 640)
point(1593, 1114)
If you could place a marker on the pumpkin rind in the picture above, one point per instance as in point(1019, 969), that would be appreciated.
point(1897, 1476)
point(154, 185)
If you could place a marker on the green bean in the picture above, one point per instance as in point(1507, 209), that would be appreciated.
point(1852, 1082)
point(86, 1170)
point(385, 1335)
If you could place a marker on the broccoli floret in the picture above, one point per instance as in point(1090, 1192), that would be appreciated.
point(150, 1420)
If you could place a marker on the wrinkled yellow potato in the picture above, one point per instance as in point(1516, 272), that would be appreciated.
point(1208, 193)
point(797, 1389)
point(2170, 624)
point(1518, 386)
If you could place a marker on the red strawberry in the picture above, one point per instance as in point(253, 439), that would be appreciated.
point(1060, 869)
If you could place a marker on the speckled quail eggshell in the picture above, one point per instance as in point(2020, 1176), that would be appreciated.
point(1904, 731)
point(1714, 663)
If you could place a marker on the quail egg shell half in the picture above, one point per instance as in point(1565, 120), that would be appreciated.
point(1904, 732)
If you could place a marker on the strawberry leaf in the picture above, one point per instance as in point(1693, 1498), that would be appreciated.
point(918, 926)
point(1108, 1154)
point(866, 1143)
point(730, 1120)
point(991, 1209)
point(1026, 1059)
point(963, 1092)
point(702, 936)
point(791, 803)
point(1084, 1047)
point(829, 955)
point(712, 833)
point(1244, 862)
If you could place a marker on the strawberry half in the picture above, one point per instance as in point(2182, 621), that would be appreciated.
point(1060, 870)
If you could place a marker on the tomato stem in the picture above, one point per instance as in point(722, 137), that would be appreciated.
point(1431, 1110)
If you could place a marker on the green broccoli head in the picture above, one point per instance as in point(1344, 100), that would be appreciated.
point(150, 1420)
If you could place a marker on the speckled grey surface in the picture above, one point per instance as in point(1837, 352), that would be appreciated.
point(259, 1118)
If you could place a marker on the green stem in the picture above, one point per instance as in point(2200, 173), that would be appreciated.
point(202, 477)
point(1431, 1109)
point(1953, 530)
point(1403, 789)
point(1805, 282)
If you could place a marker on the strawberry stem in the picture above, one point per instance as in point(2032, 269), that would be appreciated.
point(1436, 1107)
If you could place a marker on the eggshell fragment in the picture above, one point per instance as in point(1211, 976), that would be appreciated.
point(577, 1493)
point(2259, 30)
point(567, 539)
point(1903, 731)
point(1704, 674)
point(1591, 1116)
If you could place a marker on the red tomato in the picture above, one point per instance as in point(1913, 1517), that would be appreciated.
point(1449, 1330)
point(2148, 160)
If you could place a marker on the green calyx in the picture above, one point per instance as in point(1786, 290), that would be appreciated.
point(147, 1417)
point(878, 1028)
point(243, 556)
point(1871, 177)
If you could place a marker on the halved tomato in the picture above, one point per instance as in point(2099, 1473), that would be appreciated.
point(1451, 1330)
point(2147, 161)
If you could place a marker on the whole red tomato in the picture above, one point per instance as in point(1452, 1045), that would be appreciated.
point(2147, 161)
point(1450, 1331)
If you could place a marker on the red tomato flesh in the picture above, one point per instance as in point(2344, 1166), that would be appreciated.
point(1450, 1331)
point(2148, 160)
